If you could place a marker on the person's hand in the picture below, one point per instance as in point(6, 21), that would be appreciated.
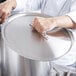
point(5, 9)
point(43, 24)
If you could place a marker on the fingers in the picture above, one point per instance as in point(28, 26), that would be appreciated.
point(37, 24)
point(0, 14)
point(43, 25)
point(5, 8)
point(3, 17)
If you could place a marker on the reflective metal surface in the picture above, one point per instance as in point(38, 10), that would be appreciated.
point(15, 65)
point(19, 36)
point(15, 32)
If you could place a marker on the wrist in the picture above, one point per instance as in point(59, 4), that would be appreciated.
point(54, 22)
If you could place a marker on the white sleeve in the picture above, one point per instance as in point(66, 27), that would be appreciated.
point(72, 13)
point(28, 5)
point(21, 5)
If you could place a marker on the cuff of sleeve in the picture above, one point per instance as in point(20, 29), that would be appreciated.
point(20, 5)
point(72, 15)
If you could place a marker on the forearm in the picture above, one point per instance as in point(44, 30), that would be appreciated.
point(65, 21)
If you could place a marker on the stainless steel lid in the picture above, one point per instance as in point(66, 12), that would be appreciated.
point(20, 37)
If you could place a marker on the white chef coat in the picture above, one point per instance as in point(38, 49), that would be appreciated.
point(49, 7)
point(52, 8)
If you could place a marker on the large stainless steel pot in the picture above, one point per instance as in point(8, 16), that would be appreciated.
point(36, 51)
